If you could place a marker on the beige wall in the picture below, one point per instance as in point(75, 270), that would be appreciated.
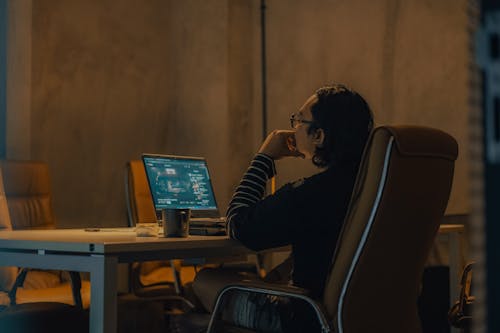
point(18, 124)
point(111, 79)
point(408, 58)
point(114, 79)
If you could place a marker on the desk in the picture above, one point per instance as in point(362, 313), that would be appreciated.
point(100, 253)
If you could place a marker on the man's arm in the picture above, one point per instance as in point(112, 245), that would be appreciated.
point(251, 188)
point(259, 222)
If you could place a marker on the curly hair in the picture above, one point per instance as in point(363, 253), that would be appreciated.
point(347, 122)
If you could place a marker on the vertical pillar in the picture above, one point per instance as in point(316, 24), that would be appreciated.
point(3, 75)
point(17, 120)
point(243, 92)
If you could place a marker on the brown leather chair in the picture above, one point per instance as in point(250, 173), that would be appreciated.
point(26, 187)
point(37, 301)
point(399, 199)
point(155, 278)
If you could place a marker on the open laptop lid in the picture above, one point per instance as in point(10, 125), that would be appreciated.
point(181, 182)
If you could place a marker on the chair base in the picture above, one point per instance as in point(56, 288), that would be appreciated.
point(44, 317)
point(140, 315)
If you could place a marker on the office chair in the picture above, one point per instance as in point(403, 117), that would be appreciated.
point(157, 278)
point(36, 294)
point(28, 195)
point(398, 201)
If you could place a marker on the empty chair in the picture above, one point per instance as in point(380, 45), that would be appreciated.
point(28, 195)
point(158, 278)
point(36, 296)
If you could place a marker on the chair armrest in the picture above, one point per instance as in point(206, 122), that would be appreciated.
point(21, 276)
point(277, 289)
point(274, 290)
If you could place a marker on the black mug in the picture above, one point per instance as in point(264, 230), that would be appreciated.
point(176, 222)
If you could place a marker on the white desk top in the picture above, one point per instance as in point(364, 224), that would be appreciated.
point(106, 241)
point(123, 240)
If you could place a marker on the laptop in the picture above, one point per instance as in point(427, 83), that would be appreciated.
point(183, 182)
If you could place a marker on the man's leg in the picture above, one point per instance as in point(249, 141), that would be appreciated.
point(210, 281)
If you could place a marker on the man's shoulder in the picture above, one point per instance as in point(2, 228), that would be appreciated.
point(320, 177)
point(312, 182)
point(323, 181)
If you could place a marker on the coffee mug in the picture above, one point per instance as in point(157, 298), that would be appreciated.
point(176, 222)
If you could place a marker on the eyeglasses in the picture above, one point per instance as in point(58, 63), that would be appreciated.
point(295, 120)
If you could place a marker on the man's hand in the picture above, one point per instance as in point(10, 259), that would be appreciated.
point(279, 144)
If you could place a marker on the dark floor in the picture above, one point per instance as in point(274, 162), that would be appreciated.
point(137, 315)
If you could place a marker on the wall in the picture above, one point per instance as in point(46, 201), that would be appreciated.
point(407, 58)
point(108, 80)
point(18, 118)
point(114, 79)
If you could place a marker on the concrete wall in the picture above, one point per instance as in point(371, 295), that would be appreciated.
point(408, 58)
point(111, 79)
point(18, 118)
point(114, 79)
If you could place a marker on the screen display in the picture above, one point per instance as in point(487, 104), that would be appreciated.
point(179, 183)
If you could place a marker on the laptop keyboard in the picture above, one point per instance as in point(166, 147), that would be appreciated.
point(206, 226)
point(197, 220)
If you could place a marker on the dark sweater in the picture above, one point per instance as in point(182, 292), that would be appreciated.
point(308, 214)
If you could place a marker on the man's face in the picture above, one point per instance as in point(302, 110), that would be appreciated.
point(305, 143)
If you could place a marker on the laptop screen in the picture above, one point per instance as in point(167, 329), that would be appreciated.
point(179, 182)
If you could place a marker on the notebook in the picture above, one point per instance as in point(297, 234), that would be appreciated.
point(183, 182)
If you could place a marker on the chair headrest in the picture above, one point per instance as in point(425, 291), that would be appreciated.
point(419, 141)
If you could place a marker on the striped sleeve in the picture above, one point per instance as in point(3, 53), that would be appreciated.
point(251, 188)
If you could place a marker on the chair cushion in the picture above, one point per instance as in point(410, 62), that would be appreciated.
point(165, 274)
point(61, 293)
point(36, 279)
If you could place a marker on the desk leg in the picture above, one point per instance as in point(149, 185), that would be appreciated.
point(454, 264)
point(103, 279)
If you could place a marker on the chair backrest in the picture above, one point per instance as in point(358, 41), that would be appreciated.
point(28, 194)
point(399, 199)
point(139, 202)
point(140, 210)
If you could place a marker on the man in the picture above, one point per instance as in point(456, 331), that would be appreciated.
point(331, 129)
